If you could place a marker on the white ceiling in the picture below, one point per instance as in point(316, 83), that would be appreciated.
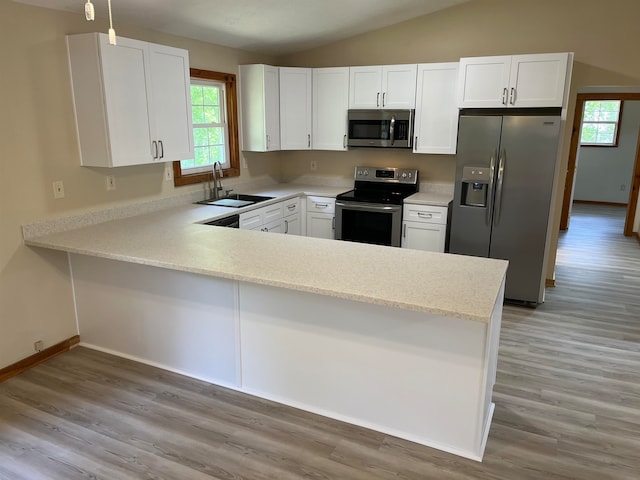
point(265, 26)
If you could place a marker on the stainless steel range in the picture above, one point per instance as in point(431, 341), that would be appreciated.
point(372, 211)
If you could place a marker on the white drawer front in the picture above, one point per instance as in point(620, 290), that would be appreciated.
point(291, 207)
point(321, 204)
point(424, 213)
point(271, 213)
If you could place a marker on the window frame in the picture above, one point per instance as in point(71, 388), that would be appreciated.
point(229, 79)
point(618, 123)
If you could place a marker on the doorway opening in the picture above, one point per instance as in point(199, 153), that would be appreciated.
point(572, 162)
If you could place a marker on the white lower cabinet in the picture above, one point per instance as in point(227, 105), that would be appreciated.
point(292, 216)
point(321, 219)
point(281, 217)
point(424, 227)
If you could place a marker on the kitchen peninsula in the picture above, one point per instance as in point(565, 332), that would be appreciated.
point(401, 341)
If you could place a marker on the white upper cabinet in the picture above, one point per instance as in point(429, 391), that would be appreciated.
point(295, 108)
point(132, 101)
point(513, 81)
point(436, 121)
point(330, 105)
point(386, 86)
point(260, 104)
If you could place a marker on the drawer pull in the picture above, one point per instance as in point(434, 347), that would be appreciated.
point(322, 205)
point(292, 206)
point(425, 215)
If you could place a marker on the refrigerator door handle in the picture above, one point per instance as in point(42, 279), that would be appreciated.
point(498, 201)
point(492, 171)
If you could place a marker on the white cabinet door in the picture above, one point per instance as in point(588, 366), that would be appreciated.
point(399, 86)
point(538, 80)
point(295, 108)
point(513, 81)
point(484, 81)
point(321, 225)
point(171, 104)
point(436, 121)
point(132, 101)
point(260, 106)
point(277, 226)
point(330, 105)
point(293, 224)
point(365, 84)
point(387, 86)
point(127, 100)
point(423, 236)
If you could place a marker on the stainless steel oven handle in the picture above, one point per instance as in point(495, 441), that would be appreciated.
point(371, 207)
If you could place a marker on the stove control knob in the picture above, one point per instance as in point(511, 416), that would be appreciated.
point(366, 172)
point(359, 172)
point(409, 174)
point(404, 174)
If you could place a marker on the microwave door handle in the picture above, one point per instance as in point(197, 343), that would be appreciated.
point(392, 128)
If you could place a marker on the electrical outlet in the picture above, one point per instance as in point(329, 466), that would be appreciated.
point(168, 172)
point(111, 182)
point(38, 346)
point(313, 165)
point(58, 189)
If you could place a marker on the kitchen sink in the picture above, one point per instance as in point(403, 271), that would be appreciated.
point(235, 200)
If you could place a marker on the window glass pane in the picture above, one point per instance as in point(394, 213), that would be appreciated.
point(196, 95)
point(198, 114)
point(187, 163)
point(216, 136)
point(211, 115)
point(217, 154)
point(202, 156)
point(211, 96)
point(200, 137)
point(589, 131)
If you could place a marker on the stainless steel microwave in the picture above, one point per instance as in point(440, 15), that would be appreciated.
point(380, 128)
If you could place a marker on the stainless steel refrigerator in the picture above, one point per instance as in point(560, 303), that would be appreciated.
point(502, 200)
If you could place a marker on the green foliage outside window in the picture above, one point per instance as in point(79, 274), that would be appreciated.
point(600, 122)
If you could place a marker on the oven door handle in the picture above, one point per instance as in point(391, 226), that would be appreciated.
point(371, 207)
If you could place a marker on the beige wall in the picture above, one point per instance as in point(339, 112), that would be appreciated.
point(604, 55)
point(38, 146)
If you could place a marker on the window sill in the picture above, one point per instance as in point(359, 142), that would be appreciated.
point(180, 179)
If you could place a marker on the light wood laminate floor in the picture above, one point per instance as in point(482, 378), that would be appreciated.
point(567, 401)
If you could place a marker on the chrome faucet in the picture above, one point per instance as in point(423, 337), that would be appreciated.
point(217, 182)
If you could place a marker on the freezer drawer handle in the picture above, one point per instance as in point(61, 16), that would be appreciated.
point(501, 167)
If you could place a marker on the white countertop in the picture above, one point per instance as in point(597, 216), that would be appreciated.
point(443, 284)
point(429, 198)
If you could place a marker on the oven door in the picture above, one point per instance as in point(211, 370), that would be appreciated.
point(368, 223)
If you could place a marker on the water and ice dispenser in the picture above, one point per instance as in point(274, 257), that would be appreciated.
point(475, 186)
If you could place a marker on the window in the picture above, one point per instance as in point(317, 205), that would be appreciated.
point(600, 122)
point(215, 128)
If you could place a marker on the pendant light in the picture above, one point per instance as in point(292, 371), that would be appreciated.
point(90, 15)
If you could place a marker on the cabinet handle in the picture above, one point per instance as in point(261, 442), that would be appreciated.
point(161, 148)
point(425, 215)
point(504, 96)
point(322, 205)
point(404, 230)
point(383, 95)
point(154, 144)
point(268, 141)
point(333, 223)
point(309, 140)
point(344, 141)
point(378, 100)
point(286, 226)
point(512, 97)
point(292, 206)
point(415, 144)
